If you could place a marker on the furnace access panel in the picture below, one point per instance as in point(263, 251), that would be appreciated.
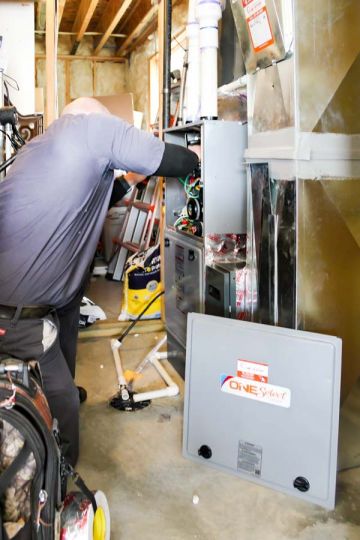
point(262, 403)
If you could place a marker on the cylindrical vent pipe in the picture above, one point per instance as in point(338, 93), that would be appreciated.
point(192, 100)
point(209, 13)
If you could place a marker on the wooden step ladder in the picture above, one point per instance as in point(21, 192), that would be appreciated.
point(143, 208)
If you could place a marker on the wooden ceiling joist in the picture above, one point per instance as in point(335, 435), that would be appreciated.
point(82, 20)
point(143, 37)
point(110, 19)
point(60, 11)
point(147, 21)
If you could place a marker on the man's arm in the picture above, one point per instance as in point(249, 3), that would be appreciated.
point(122, 185)
point(131, 149)
point(177, 161)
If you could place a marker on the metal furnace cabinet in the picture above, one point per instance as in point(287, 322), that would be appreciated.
point(200, 210)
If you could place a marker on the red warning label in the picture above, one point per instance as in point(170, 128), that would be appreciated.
point(254, 371)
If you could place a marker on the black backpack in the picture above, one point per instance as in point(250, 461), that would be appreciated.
point(33, 473)
point(30, 486)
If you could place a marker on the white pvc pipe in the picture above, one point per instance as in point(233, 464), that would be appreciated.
point(153, 357)
point(164, 374)
point(115, 346)
point(148, 357)
point(191, 112)
point(169, 391)
point(161, 355)
point(209, 13)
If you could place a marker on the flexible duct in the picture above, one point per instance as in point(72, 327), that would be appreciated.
point(209, 13)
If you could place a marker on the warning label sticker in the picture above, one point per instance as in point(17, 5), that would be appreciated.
point(257, 19)
point(249, 458)
point(251, 389)
point(255, 371)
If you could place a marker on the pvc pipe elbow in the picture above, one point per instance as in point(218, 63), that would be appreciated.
point(115, 344)
point(173, 390)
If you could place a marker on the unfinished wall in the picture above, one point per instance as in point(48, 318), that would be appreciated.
point(88, 78)
point(82, 77)
point(138, 81)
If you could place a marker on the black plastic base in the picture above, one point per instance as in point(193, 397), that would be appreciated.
point(117, 402)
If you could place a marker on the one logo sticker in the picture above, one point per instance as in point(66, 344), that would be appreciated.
point(251, 389)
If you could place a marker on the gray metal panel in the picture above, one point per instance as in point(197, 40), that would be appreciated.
point(220, 289)
point(184, 281)
point(224, 177)
point(176, 354)
point(217, 288)
point(281, 443)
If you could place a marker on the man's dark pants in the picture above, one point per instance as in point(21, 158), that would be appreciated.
point(23, 339)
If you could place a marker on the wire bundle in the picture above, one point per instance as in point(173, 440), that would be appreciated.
point(192, 187)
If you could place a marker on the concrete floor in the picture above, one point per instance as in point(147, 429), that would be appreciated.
point(136, 459)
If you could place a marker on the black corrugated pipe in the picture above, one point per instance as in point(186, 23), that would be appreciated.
point(167, 63)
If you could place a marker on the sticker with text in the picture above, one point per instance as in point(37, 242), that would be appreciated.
point(255, 371)
point(257, 19)
point(264, 392)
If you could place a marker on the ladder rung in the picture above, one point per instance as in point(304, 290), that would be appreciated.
point(143, 206)
point(130, 246)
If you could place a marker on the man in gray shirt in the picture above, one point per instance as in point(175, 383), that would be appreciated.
point(52, 207)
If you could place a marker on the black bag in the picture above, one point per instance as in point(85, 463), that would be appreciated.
point(30, 458)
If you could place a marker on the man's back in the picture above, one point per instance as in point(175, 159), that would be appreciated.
point(54, 201)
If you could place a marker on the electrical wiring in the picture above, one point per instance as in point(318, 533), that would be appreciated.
point(19, 137)
point(186, 221)
point(14, 87)
point(13, 143)
point(193, 190)
point(7, 91)
point(6, 163)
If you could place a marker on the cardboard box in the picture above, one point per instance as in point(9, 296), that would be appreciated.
point(121, 105)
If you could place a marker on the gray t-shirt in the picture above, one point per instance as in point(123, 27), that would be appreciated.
point(54, 201)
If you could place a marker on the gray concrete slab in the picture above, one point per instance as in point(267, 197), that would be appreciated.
point(136, 459)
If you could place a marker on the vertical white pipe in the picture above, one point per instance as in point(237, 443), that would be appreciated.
point(209, 13)
point(192, 94)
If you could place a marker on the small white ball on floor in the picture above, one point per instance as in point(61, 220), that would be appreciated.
point(196, 499)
